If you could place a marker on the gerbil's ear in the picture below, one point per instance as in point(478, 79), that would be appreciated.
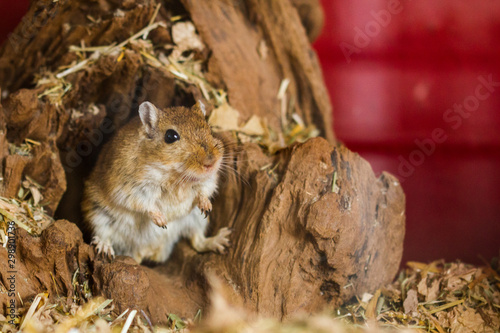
point(200, 106)
point(149, 117)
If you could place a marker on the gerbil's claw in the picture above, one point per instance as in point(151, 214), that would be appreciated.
point(206, 213)
point(103, 248)
point(158, 219)
point(205, 206)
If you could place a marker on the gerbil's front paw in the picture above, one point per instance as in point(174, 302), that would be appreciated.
point(103, 248)
point(158, 219)
point(204, 205)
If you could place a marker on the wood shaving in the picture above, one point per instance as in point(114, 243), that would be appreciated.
point(224, 118)
point(185, 37)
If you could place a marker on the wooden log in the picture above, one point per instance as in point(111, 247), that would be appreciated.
point(312, 225)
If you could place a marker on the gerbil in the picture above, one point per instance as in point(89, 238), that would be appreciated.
point(152, 185)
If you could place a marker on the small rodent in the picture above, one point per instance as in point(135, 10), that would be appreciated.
point(152, 185)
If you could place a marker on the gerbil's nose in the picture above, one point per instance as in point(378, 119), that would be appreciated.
point(209, 161)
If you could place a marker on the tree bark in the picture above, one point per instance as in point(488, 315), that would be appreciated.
point(312, 225)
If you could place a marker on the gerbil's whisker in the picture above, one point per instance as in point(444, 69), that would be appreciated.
point(181, 179)
point(226, 167)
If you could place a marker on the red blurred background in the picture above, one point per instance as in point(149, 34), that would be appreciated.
point(407, 82)
point(394, 69)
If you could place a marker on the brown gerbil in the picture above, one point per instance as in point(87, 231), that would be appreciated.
point(152, 185)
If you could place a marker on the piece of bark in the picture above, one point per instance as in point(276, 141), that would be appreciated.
point(131, 285)
point(311, 15)
point(48, 29)
point(29, 118)
point(234, 33)
point(45, 168)
point(13, 167)
point(46, 263)
point(4, 143)
point(42, 165)
point(21, 108)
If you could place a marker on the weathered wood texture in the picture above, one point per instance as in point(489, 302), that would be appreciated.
point(298, 239)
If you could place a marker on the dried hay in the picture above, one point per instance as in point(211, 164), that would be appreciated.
point(438, 297)
point(26, 212)
point(96, 315)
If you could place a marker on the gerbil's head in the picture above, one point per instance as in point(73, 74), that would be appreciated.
point(179, 140)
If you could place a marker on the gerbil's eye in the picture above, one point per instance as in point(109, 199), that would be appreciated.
point(171, 136)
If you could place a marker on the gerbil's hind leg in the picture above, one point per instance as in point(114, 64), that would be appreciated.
point(102, 247)
point(217, 243)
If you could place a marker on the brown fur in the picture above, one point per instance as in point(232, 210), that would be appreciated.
point(130, 150)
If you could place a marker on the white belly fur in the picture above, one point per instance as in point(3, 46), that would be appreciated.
point(134, 234)
point(137, 236)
